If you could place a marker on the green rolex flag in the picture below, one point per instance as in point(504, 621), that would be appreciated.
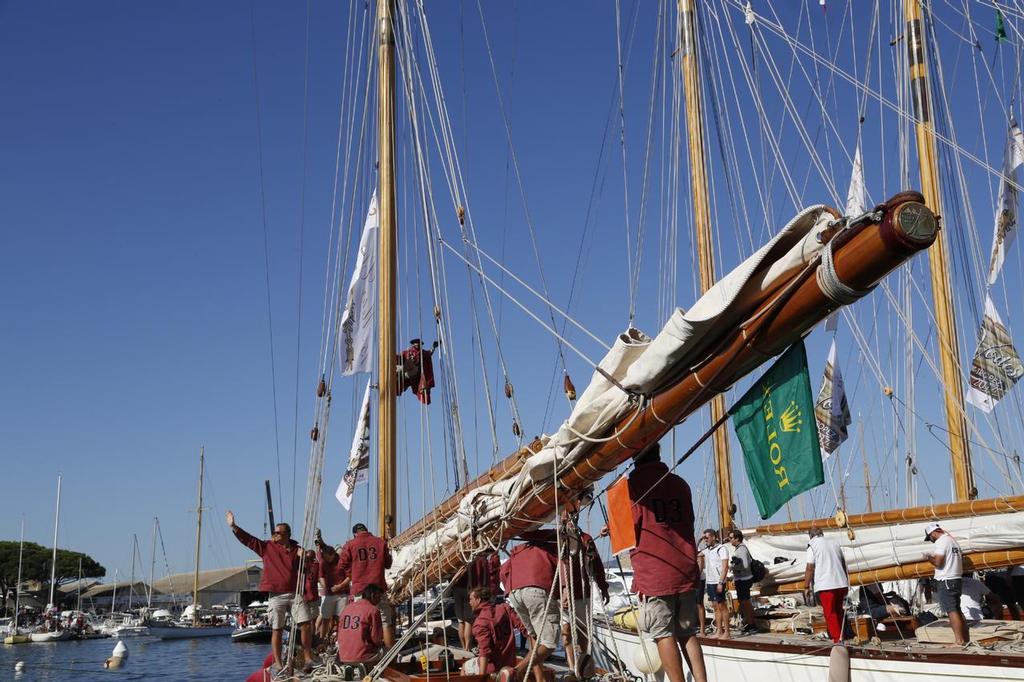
point(774, 422)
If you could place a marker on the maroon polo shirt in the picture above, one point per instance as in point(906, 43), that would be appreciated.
point(280, 562)
point(365, 557)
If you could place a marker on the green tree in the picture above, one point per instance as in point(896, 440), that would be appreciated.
point(36, 565)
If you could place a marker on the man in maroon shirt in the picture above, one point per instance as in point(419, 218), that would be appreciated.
point(483, 572)
point(280, 578)
point(364, 559)
point(360, 630)
point(665, 571)
point(335, 586)
point(529, 577)
point(492, 629)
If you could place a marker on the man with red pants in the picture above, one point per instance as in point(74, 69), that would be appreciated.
point(364, 559)
point(665, 570)
point(280, 557)
point(827, 577)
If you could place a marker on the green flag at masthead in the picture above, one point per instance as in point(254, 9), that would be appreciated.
point(1000, 27)
point(774, 423)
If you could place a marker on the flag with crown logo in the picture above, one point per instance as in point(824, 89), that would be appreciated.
point(774, 422)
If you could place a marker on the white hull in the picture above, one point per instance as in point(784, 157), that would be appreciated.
point(764, 659)
point(189, 632)
point(60, 636)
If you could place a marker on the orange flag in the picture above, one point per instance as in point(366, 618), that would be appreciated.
point(620, 517)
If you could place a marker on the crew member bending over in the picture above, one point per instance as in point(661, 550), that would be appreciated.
point(492, 629)
point(529, 577)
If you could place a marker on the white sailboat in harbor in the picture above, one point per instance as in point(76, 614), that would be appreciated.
point(191, 626)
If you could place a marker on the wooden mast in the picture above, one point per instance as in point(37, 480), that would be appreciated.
point(386, 273)
point(199, 535)
point(938, 257)
point(702, 225)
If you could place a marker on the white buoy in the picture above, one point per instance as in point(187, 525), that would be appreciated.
point(118, 658)
point(19, 666)
point(839, 664)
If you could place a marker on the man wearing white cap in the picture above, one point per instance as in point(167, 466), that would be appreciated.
point(949, 571)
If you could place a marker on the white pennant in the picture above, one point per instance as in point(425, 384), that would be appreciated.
point(996, 367)
point(1006, 204)
point(856, 201)
point(357, 320)
point(359, 456)
point(831, 411)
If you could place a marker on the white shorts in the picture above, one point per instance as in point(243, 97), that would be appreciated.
point(332, 605)
point(538, 613)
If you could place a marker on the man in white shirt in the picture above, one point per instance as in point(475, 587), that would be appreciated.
point(827, 577)
point(716, 568)
point(949, 571)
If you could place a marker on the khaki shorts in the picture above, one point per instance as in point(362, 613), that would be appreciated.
point(579, 607)
point(673, 615)
point(538, 613)
point(332, 605)
point(387, 613)
point(283, 603)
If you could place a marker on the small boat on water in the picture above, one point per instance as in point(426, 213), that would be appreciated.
point(17, 639)
point(257, 633)
point(175, 631)
point(55, 636)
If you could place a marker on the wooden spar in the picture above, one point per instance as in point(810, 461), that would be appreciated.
point(934, 512)
point(386, 272)
point(702, 225)
point(973, 561)
point(199, 536)
point(862, 256)
point(503, 469)
point(938, 256)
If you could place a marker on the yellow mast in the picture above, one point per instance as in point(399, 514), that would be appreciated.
point(199, 535)
point(938, 258)
point(386, 273)
point(702, 225)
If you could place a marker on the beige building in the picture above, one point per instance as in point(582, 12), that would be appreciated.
point(216, 586)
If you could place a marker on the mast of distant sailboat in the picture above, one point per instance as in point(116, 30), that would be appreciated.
point(199, 535)
point(53, 559)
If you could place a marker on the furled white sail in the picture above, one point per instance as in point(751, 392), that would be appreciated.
point(639, 364)
point(856, 197)
point(884, 546)
point(358, 316)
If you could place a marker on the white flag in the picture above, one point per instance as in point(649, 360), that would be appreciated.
point(831, 411)
point(996, 366)
point(1006, 204)
point(856, 201)
point(357, 319)
point(359, 457)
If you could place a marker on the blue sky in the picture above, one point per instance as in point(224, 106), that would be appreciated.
point(132, 255)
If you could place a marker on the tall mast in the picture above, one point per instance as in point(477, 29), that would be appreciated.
point(53, 559)
point(938, 258)
point(17, 586)
point(199, 535)
point(386, 273)
point(702, 225)
point(152, 567)
point(131, 579)
point(78, 601)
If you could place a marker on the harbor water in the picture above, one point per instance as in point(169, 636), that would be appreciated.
point(208, 659)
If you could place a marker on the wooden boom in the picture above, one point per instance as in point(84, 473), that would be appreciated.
point(862, 254)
